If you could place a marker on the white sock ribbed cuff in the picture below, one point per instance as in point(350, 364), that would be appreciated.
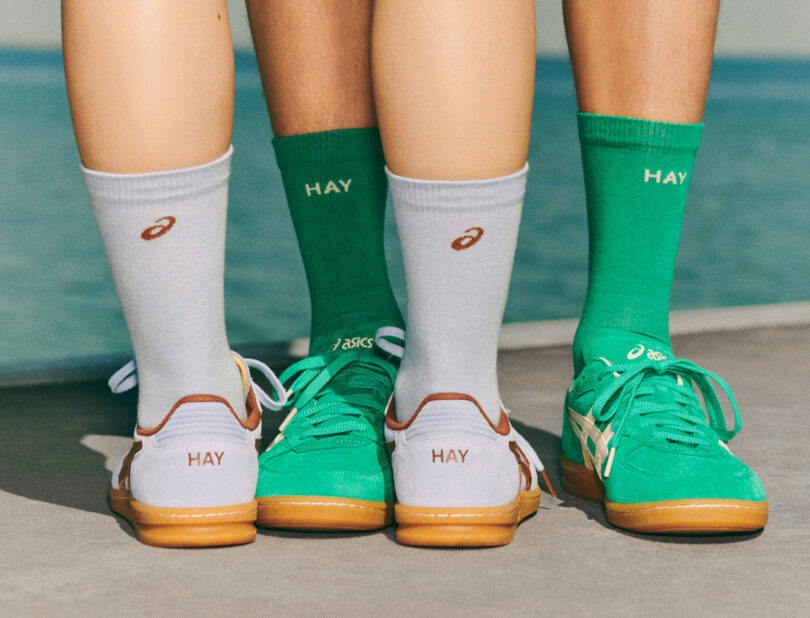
point(164, 235)
point(440, 195)
point(458, 242)
point(164, 186)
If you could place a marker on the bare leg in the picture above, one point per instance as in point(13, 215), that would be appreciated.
point(636, 60)
point(150, 83)
point(314, 59)
point(453, 81)
point(642, 58)
point(642, 72)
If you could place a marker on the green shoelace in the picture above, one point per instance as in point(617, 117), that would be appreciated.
point(318, 408)
point(633, 390)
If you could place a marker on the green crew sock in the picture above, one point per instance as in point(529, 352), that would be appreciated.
point(637, 176)
point(336, 187)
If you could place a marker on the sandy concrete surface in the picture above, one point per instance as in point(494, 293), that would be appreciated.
point(64, 552)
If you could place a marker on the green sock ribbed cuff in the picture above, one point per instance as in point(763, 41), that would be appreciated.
point(337, 146)
point(638, 134)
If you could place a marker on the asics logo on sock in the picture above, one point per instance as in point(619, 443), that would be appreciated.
point(450, 456)
point(342, 186)
point(651, 354)
point(164, 224)
point(470, 237)
point(205, 459)
point(353, 343)
point(659, 178)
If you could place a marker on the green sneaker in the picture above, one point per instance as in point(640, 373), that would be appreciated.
point(636, 436)
point(328, 468)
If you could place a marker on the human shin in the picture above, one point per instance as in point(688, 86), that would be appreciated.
point(164, 235)
point(635, 434)
point(463, 475)
point(328, 469)
point(189, 478)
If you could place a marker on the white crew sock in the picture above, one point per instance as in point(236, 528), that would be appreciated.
point(164, 234)
point(458, 243)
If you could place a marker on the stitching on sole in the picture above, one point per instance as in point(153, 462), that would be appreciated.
point(341, 504)
point(575, 468)
point(515, 510)
point(191, 515)
point(688, 506)
point(453, 515)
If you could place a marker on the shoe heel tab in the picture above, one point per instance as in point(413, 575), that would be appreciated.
point(503, 427)
point(185, 400)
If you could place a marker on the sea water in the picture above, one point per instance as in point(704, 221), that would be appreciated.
point(746, 237)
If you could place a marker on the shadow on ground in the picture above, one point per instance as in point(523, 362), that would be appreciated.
point(41, 452)
point(59, 441)
point(44, 453)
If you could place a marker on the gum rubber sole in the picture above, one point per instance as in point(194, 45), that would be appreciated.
point(187, 527)
point(464, 526)
point(690, 516)
point(323, 513)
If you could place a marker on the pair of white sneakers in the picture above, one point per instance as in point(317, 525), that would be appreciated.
point(460, 479)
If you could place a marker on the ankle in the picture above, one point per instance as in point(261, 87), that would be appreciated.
point(616, 344)
point(159, 391)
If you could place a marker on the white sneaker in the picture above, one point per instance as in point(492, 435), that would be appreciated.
point(191, 481)
point(460, 480)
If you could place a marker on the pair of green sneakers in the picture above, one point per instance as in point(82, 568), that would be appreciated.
point(635, 436)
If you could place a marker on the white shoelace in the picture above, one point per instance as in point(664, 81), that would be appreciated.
point(127, 377)
point(389, 346)
point(123, 379)
point(528, 450)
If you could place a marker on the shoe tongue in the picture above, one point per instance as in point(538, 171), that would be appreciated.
point(623, 347)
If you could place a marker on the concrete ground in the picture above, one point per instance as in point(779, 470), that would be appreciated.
point(64, 552)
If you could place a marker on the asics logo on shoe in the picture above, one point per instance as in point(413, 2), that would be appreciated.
point(350, 343)
point(207, 459)
point(164, 224)
point(668, 179)
point(468, 239)
point(585, 427)
point(651, 354)
point(342, 186)
point(452, 455)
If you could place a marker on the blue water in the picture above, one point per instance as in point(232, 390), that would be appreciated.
point(745, 237)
